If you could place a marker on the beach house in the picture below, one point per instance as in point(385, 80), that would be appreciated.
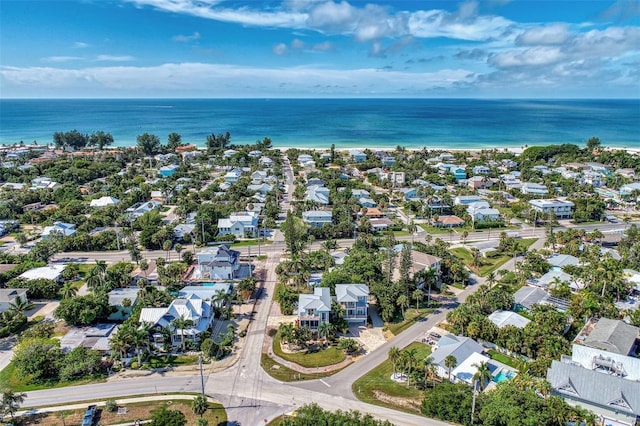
point(317, 218)
point(563, 209)
point(240, 224)
point(353, 299)
point(314, 309)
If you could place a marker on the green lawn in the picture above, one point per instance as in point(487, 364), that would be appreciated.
point(323, 358)
point(402, 234)
point(285, 374)
point(410, 317)
point(251, 243)
point(170, 361)
point(379, 379)
point(10, 379)
point(505, 359)
point(489, 264)
point(432, 229)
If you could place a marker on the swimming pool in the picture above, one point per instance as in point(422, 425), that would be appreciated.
point(502, 376)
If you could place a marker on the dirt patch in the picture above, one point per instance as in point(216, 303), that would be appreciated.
point(135, 411)
point(405, 403)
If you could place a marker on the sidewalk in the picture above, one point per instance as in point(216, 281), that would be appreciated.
point(84, 405)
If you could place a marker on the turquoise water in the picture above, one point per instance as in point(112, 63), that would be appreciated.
point(502, 376)
point(318, 123)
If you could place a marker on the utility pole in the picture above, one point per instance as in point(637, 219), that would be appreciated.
point(202, 227)
point(473, 403)
point(201, 375)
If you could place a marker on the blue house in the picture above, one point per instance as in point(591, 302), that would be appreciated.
point(358, 156)
point(166, 171)
point(459, 173)
point(388, 161)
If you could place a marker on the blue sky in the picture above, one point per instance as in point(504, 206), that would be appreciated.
point(319, 48)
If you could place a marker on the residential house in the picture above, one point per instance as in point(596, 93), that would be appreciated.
point(559, 261)
point(629, 188)
point(511, 181)
point(357, 156)
point(458, 172)
point(544, 170)
point(419, 262)
point(380, 224)
point(318, 194)
point(104, 202)
point(265, 161)
point(43, 183)
point(446, 156)
point(306, 160)
point(481, 212)
point(534, 188)
point(182, 230)
point(96, 337)
point(396, 178)
point(353, 298)
point(262, 188)
point(465, 200)
point(481, 170)
point(317, 218)
point(479, 182)
point(117, 298)
point(8, 297)
point(627, 173)
point(388, 161)
point(447, 221)
point(220, 263)
point(563, 209)
point(59, 228)
point(459, 346)
point(49, 272)
point(555, 277)
point(410, 194)
point(190, 307)
point(232, 176)
point(508, 318)
point(528, 296)
point(168, 171)
point(373, 212)
point(367, 202)
point(609, 335)
point(240, 224)
point(258, 176)
point(229, 153)
point(614, 399)
point(314, 309)
point(138, 209)
point(255, 153)
point(593, 179)
point(315, 182)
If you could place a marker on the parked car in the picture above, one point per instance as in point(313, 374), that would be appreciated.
point(89, 416)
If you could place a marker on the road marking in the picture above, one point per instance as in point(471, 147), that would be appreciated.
point(325, 383)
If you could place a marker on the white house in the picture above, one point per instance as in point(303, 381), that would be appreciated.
point(104, 202)
point(318, 194)
point(481, 212)
point(220, 263)
point(239, 224)
point(49, 272)
point(314, 309)
point(459, 347)
point(563, 209)
point(317, 218)
point(138, 209)
point(191, 307)
point(59, 228)
point(504, 318)
point(232, 176)
point(534, 188)
point(465, 200)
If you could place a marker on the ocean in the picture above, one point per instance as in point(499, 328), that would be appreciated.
point(318, 123)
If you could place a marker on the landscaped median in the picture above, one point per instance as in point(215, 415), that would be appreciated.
point(305, 365)
point(128, 410)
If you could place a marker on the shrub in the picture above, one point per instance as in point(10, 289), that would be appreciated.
point(111, 406)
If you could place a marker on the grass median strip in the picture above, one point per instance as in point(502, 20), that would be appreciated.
point(321, 358)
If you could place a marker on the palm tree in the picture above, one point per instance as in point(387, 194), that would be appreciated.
point(325, 329)
point(394, 355)
point(464, 235)
point(181, 323)
point(286, 333)
point(178, 248)
point(450, 362)
point(68, 290)
point(491, 279)
point(429, 368)
point(403, 303)
point(199, 405)
point(410, 358)
point(20, 306)
point(417, 295)
point(140, 339)
point(166, 246)
point(144, 266)
point(483, 374)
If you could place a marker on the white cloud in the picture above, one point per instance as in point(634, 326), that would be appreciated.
point(80, 45)
point(186, 38)
point(526, 58)
point(280, 49)
point(114, 58)
point(323, 47)
point(297, 44)
point(229, 80)
point(549, 34)
point(62, 58)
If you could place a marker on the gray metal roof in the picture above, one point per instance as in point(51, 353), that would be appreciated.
point(459, 346)
point(595, 387)
point(613, 336)
point(528, 296)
